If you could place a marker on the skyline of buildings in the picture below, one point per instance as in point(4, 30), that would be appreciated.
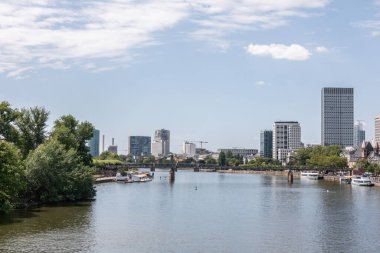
point(337, 112)
point(337, 116)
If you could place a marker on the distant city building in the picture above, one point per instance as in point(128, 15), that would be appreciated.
point(139, 145)
point(377, 129)
point(239, 151)
point(266, 143)
point(93, 143)
point(189, 149)
point(112, 149)
point(286, 139)
point(359, 135)
point(161, 143)
point(337, 117)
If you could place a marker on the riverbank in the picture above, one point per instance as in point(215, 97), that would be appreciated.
point(296, 174)
point(284, 173)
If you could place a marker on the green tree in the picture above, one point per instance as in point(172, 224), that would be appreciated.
point(74, 135)
point(222, 159)
point(8, 116)
point(210, 160)
point(32, 128)
point(11, 174)
point(56, 174)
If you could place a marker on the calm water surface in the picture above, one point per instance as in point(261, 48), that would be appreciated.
point(227, 213)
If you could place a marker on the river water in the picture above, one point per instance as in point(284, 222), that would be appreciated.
point(204, 212)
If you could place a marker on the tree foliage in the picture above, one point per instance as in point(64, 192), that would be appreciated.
point(324, 157)
point(222, 159)
point(55, 174)
point(31, 126)
point(8, 116)
point(11, 174)
point(74, 135)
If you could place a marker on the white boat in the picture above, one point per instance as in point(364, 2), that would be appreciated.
point(362, 181)
point(122, 177)
point(313, 175)
point(143, 177)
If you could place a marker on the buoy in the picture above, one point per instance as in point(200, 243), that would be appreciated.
point(196, 188)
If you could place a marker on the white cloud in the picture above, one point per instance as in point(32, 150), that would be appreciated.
point(261, 83)
point(321, 49)
point(63, 34)
point(293, 52)
point(223, 17)
point(103, 34)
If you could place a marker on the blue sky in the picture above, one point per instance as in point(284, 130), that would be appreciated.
point(218, 71)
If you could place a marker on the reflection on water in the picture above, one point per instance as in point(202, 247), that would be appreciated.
point(226, 213)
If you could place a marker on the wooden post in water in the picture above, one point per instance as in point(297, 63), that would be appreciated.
point(172, 174)
point(290, 177)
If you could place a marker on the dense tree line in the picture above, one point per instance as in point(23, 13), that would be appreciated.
point(319, 157)
point(38, 167)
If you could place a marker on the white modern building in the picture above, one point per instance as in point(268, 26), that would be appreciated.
point(337, 117)
point(377, 129)
point(188, 149)
point(161, 143)
point(286, 139)
point(244, 152)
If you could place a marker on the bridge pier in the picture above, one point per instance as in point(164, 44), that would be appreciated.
point(290, 177)
point(153, 167)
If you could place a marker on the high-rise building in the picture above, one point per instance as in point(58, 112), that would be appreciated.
point(161, 143)
point(266, 143)
point(93, 143)
point(359, 135)
point(139, 145)
point(337, 117)
point(188, 149)
point(286, 139)
point(377, 129)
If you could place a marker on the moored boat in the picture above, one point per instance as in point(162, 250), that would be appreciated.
point(361, 181)
point(313, 175)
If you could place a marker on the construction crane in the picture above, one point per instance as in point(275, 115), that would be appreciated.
point(201, 142)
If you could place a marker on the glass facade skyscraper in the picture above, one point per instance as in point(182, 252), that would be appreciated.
point(93, 143)
point(266, 143)
point(139, 145)
point(337, 117)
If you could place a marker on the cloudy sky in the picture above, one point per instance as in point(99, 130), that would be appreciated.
point(212, 70)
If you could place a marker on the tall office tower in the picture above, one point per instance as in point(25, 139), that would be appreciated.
point(266, 143)
point(337, 117)
point(359, 135)
point(188, 149)
point(93, 143)
point(139, 145)
point(286, 139)
point(377, 129)
point(161, 143)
